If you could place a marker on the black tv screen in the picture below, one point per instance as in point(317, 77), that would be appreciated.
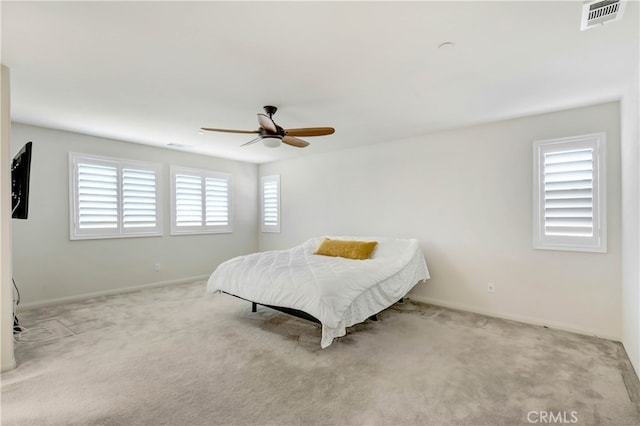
point(20, 171)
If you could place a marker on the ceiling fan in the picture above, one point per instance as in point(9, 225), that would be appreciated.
point(272, 135)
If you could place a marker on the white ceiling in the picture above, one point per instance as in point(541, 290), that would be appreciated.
point(155, 72)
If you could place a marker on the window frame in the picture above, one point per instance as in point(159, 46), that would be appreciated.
point(204, 228)
point(77, 233)
point(597, 243)
point(268, 227)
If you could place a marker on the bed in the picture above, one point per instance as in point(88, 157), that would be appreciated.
point(336, 292)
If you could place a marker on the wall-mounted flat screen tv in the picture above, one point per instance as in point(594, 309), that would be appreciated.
point(20, 171)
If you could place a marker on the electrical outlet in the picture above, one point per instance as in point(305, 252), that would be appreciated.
point(491, 288)
point(156, 267)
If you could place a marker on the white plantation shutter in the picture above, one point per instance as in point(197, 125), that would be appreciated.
point(569, 197)
point(568, 193)
point(201, 201)
point(139, 204)
point(270, 197)
point(113, 197)
point(217, 202)
point(188, 200)
point(97, 193)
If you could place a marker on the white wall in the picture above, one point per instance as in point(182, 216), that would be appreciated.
point(6, 309)
point(466, 194)
point(630, 112)
point(48, 266)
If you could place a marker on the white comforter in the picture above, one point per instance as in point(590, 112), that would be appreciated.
point(338, 292)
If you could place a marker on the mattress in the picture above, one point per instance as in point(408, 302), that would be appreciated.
point(338, 292)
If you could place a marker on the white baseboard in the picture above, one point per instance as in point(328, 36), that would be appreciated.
point(112, 292)
point(518, 318)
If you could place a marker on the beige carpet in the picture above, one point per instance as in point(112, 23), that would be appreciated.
point(181, 356)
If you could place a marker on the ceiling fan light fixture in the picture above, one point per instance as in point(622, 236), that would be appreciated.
point(271, 141)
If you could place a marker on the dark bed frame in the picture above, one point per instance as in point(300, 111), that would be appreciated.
point(294, 312)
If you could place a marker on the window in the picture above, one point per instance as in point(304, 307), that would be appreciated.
point(570, 194)
point(270, 202)
point(200, 201)
point(113, 198)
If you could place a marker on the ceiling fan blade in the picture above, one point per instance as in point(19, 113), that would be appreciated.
point(267, 123)
point(299, 143)
point(229, 130)
point(252, 141)
point(310, 131)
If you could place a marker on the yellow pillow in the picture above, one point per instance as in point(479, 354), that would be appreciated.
point(359, 250)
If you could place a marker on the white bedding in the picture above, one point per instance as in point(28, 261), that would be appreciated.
point(338, 292)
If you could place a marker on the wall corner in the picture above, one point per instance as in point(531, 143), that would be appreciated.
point(8, 361)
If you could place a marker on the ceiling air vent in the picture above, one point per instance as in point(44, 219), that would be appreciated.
point(596, 13)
